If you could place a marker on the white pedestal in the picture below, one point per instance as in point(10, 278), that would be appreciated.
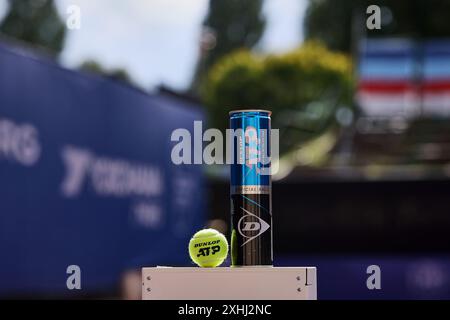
point(244, 283)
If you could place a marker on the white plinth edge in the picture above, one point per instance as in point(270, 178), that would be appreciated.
point(245, 283)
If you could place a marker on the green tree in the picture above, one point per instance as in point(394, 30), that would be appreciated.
point(36, 22)
point(231, 24)
point(334, 22)
point(303, 88)
point(117, 73)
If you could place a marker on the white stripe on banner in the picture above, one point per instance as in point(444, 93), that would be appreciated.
point(436, 104)
point(383, 104)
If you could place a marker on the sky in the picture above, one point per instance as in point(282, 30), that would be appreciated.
point(156, 41)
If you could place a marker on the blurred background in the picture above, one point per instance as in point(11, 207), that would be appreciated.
point(90, 92)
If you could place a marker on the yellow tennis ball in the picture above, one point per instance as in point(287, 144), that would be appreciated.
point(208, 248)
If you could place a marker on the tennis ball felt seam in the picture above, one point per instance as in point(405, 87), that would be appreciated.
point(195, 236)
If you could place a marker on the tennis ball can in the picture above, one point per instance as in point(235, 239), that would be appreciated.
point(250, 188)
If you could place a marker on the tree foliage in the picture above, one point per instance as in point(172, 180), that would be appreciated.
point(334, 22)
point(234, 24)
point(116, 74)
point(36, 22)
point(302, 87)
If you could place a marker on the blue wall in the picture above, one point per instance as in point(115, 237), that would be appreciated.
point(86, 178)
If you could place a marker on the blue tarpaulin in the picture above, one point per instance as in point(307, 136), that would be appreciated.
point(86, 178)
